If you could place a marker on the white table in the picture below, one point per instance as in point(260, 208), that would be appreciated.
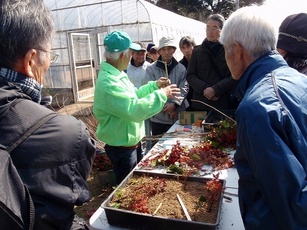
point(230, 218)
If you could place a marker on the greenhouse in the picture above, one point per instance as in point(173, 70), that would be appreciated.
point(81, 26)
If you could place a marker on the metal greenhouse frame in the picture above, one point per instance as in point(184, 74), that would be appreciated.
point(81, 26)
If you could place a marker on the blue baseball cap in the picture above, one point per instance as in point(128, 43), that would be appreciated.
point(117, 41)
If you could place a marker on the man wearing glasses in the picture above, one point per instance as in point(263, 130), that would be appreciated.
point(52, 55)
point(207, 73)
point(54, 162)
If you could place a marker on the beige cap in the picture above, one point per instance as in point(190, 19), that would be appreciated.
point(167, 41)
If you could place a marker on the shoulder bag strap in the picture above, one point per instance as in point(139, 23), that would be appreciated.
point(27, 112)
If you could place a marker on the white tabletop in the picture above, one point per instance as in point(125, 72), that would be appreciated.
point(230, 218)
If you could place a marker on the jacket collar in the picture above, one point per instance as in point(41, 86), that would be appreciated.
point(160, 64)
point(28, 85)
point(133, 63)
point(105, 66)
point(257, 70)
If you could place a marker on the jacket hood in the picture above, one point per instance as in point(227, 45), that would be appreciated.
point(8, 93)
point(263, 65)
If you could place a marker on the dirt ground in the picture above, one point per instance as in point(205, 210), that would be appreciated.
point(99, 191)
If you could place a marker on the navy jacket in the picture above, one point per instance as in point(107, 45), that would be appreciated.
point(271, 156)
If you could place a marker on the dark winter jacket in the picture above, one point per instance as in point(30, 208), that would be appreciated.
point(271, 155)
point(54, 162)
point(203, 73)
point(184, 61)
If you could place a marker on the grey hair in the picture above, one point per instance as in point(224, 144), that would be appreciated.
point(218, 18)
point(115, 55)
point(24, 25)
point(250, 27)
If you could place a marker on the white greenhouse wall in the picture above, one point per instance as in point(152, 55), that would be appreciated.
point(142, 20)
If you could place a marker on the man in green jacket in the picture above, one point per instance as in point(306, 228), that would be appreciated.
point(120, 108)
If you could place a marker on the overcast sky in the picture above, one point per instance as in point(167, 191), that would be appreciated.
point(282, 8)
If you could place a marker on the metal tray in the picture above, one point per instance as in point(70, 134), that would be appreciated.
point(134, 220)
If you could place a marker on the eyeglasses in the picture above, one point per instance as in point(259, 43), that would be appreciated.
point(214, 29)
point(53, 56)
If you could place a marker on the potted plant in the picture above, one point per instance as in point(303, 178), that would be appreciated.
point(102, 167)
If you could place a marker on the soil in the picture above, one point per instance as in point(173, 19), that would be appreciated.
point(99, 192)
point(158, 196)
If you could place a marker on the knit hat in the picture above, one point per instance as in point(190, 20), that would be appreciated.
point(149, 46)
point(117, 41)
point(292, 36)
point(166, 41)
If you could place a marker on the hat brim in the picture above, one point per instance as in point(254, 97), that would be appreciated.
point(135, 46)
point(167, 46)
point(142, 49)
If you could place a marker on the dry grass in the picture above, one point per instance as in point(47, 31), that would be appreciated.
point(91, 122)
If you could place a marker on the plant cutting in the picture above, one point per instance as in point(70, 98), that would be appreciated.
point(189, 160)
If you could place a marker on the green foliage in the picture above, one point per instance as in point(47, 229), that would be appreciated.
point(201, 9)
point(175, 169)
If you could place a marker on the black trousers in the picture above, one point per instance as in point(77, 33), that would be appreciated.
point(158, 128)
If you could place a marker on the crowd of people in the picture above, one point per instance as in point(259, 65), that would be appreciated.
point(241, 65)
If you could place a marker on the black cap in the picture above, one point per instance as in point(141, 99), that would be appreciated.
point(292, 36)
point(149, 46)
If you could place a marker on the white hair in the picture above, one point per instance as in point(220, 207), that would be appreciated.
point(115, 55)
point(250, 27)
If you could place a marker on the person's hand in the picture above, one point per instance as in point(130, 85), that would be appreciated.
point(172, 91)
point(163, 82)
point(173, 115)
point(169, 108)
point(209, 93)
point(215, 98)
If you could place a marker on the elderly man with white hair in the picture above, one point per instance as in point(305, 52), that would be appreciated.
point(120, 108)
point(271, 155)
